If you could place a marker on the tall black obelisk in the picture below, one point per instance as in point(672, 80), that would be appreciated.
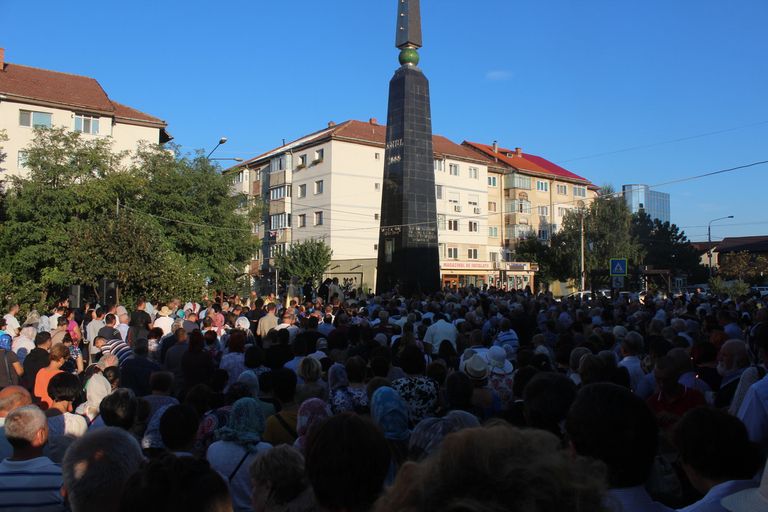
point(408, 256)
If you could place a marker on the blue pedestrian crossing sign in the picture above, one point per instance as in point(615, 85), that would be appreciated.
point(618, 267)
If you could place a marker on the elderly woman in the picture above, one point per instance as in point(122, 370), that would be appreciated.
point(390, 413)
point(280, 483)
point(239, 441)
point(24, 342)
point(311, 412)
point(312, 385)
point(344, 398)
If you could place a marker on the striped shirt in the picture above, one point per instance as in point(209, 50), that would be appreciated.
point(33, 484)
point(119, 349)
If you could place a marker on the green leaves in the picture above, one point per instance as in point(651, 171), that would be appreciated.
point(177, 225)
point(305, 260)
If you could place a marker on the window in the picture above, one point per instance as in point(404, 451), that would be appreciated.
point(377, 156)
point(439, 165)
point(453, 225)
point(543, 234)
point(453, 169)
point(33, 119)
point(318, 218)
point(377, 186)
point(441, 249)
point(562, 211)
point(279, 192)
point(474, 173)
point(375, 216)
point(302, 191)
point(472, 254)
point(453, 253)
point(86, 124)
point(520, 206)
point(441, 222)
point(279, 164)
point(543, 211)
point(319, 187)
point(491, 206)
point(319, 154)
point(522, 182)
point(579, 191)
point(473, 200)
point(302, 162)
point(280, 221)
point(21, 160)
point(492, 181)
point(301, 220)
point(375, 247)
point(473, 226)
point(542, 186)
point(493, 232)
point(562, 189)
point(438, 191)
point(453, 197)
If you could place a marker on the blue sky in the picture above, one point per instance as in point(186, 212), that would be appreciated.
point(561, 79)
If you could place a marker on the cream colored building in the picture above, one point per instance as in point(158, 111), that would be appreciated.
point(31, 97)
point(327, 185)
point(536, 194)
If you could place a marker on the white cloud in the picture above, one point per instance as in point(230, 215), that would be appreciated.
point(498, 75)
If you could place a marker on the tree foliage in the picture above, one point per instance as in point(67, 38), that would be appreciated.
point(743, 266)
point(177, 227)
point(666, 246)
point(305, 260)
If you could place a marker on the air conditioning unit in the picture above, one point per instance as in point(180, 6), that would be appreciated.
point(457, 208)
point(477, 211)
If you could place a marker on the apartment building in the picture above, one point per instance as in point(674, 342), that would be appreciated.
point(32, 97)
point(327, 185)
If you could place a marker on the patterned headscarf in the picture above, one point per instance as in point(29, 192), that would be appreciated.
point(311, 412)
point(429, 433)
point(337, 377)
point(245, 426)
point(390, 412)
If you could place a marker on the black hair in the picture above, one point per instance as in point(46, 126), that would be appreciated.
point(64, 387)
point(547, 398)
point(284, 384)
point(118, 409)
point(178, 427)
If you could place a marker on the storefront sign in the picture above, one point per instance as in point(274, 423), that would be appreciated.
point(466, 265)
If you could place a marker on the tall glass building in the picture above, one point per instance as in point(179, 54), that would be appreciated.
point(655, 204)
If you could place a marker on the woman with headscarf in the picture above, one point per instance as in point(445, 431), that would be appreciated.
point(311, 412)
point(251, 381)
point(390, 412)
point(343, 398)
point(239, 441)
point(429, 433)
point(96, 389)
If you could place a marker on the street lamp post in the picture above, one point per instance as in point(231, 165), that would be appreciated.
point(222, 140)
point(235, 159)
point(709, 240)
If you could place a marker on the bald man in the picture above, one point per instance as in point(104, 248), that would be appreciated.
point(11, 398)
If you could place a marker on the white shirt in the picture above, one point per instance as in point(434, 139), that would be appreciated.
point(440, 331)
point(22, 346)
point(754, 412)
point(224, 457)
point(123, 330)
point(711, 501)
point(635, 369)
point(292, 331)
point(13, 324)
point(165, 323)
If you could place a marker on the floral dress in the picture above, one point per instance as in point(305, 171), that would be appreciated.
point(420, 393)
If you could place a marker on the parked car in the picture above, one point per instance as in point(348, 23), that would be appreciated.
point(762, 290)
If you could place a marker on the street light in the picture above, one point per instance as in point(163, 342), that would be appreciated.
point(222, 140)
point(709, 240)
point(235, 159)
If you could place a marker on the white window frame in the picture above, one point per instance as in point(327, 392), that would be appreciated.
point(301, 220)
point(440, 164)
point(474, 173)
point(492, 181)
point(90, 121)
point(301, 191)
point(562, 189)
point(579, 191)
point(472, 254)
point(453, 225)
point(453, 253)
point(441, 222)
point(542, 211)
point(493, 231)
point(438, 191)
point(542, 186)
point(454, 170)
point(319, 218)
point(319, 187)
point(474, 226)
point(32, 114)
point(492, 206)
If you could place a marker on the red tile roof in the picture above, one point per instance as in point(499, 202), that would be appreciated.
point(370, 133)
point(526, 162)
point(73, 91)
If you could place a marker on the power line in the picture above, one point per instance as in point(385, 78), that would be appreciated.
point(662, 143)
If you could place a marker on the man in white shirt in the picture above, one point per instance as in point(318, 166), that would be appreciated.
point(164, 320)
point(12, 324)
point(92, 330)
point(631, 349)
point(439, 332)
point(123, 325)
point(288, 323)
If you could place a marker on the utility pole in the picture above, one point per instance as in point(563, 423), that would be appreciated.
point(709, 241)
point(117, 208)
point(581, 266)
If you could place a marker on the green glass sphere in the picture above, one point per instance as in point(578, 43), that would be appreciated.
point(409, 56)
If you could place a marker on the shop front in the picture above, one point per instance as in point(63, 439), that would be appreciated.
point(458, 274)
point(514, 275)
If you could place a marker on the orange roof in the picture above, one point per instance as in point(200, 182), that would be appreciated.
point(73, 91)
point(526, 162)
point(370, 133)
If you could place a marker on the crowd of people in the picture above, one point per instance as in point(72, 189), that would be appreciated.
point(465, 400)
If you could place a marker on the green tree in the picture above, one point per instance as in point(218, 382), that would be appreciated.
point(742, 266)
point(665, 246)
point(305, 260)
point(553, 261)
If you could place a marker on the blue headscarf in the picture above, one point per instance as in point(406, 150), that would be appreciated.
point(245, 425)
point(390, 412)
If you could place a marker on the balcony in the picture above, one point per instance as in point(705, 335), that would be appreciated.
point(517, 206)
point(516, 218)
